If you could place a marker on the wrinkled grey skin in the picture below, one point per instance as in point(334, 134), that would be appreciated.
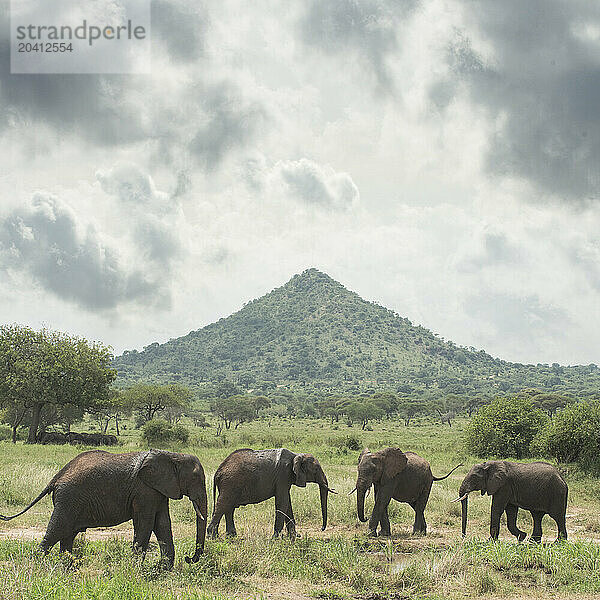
point(100, 489)
point(251, 476)
point(537, 487)
point(403, 476)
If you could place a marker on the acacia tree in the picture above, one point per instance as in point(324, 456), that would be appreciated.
point(147, 399)
point(50, 369)
point(237, 409)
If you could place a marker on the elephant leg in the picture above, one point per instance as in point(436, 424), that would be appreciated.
point(279, 516)
point(511, 511)
point(562, 526)
point(420, 525)
point(219, 510)
point(57, 530)
point(290, 522)
point(230, 525)
point(382, 500)
point(497, 509)
point(536, 536)
point(386, 528)
point(66, 543)
point(164, 534)
point(143, 523)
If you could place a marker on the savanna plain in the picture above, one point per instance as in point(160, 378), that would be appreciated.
point(339, 563)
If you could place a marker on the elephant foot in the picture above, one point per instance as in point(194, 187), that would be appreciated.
point(535, 540)
point(372, 533)
point(383, 533)
point(231, 534)
point(166, 564)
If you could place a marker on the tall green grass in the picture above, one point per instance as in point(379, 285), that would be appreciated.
point(338, 563)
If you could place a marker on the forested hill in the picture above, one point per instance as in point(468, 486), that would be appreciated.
point(314, 333)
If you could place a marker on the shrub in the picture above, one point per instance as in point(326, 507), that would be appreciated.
point(572, 436)
point(504, 428)
point(158, 432)
point(5, 432)
point(179, 433)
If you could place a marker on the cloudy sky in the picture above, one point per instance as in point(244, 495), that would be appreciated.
point(438, 156)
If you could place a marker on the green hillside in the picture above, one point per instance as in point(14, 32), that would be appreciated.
point(313, 333)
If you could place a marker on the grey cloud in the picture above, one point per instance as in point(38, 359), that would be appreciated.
point(319, 186)
point(45, 241)
point(182, 26)
point(368, 27)
point(93, 107)
point(229, 124)
point(542, 87)
point(155, 213)
point(495, 249)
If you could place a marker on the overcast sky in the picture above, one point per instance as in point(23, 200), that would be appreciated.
point(439, 156)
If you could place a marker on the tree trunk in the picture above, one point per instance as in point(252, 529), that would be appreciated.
point(14, 434)
point(36, 412)
point(117, 424)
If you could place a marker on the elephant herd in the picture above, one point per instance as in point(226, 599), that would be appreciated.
point(87, 439)
point(100, 489)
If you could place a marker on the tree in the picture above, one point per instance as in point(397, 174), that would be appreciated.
point(505, 428)
point(572, 436)
point(50, 369)
point(409, 408)
point(387, 402)
point(116, 406)
point(363, 412)
point(147, 399)
point(235, 409)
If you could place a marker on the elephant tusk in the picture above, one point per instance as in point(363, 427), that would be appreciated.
point(200, 515)
point(368, 492)
point(352, 492)
point(461, 498)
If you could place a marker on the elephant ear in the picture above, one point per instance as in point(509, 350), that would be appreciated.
point(394, 461)
point(496, 477)
point(298, 468)
point(159, 471)
point(362, 454)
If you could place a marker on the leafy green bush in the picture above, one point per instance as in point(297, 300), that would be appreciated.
point(5, 432)
point(573, 435)
point(158, 432)
point(504, 428)
point(180, 434)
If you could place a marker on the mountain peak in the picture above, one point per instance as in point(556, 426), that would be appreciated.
point(309, 278)
point(313, 333)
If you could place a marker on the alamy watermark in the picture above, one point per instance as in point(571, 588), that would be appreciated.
point(71, 36)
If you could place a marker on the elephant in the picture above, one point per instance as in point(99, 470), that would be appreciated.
point(101, 489)
point(537, 487)
point(403, 476)
point(53, 437)
point(249, 476)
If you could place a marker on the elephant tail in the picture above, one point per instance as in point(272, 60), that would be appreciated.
point(49, 488)
point(444, 477)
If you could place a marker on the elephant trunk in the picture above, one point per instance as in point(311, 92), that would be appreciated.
point(360, 504)
point(324, 491)
point(201, 507)
point(464, 503)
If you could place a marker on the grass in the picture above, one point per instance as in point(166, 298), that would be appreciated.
point(340, 563)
